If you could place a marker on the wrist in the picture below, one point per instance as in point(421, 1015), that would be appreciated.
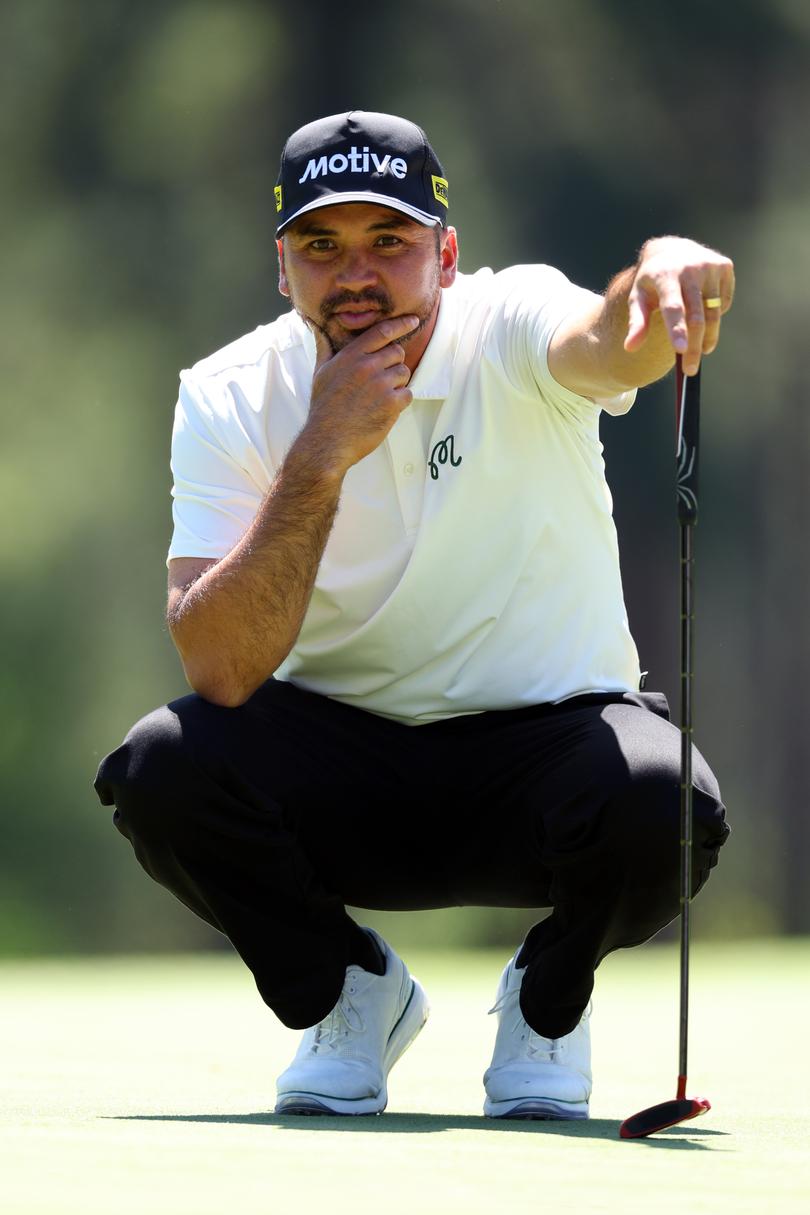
point(317, 462)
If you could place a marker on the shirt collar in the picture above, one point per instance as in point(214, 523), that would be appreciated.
point(431, 379)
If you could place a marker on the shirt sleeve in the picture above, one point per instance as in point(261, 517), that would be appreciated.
point(536, 301)
point(215, 497)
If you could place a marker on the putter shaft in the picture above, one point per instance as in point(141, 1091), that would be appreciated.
point(687, 620)
point(688, 426)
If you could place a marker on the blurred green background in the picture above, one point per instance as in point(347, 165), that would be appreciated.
point(140, 145)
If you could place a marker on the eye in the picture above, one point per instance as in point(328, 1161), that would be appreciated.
point(321, 244)
point(388, 241)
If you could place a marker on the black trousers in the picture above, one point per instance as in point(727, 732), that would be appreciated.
point(266, 820)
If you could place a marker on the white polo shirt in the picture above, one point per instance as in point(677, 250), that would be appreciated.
point(473, 563)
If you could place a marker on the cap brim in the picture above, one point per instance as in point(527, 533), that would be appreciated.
point(331, 200)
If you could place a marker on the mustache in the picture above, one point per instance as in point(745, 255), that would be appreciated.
point(372, 296)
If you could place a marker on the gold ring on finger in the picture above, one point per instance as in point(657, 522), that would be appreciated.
point(713, 301)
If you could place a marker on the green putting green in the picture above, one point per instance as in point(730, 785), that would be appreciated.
point(147, 1085)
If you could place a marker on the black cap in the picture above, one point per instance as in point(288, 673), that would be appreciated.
point(361, 157)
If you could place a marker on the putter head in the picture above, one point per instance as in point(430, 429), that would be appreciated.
point(657, 1117)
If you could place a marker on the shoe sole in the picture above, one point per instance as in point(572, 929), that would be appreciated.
point(412, 1020)
point(537, 1108)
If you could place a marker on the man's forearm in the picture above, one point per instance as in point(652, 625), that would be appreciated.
point(237, 621)
point(236, 624)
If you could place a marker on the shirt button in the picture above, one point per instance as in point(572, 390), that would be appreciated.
point(408, 469)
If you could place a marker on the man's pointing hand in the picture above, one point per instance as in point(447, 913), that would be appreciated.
point(691, 286)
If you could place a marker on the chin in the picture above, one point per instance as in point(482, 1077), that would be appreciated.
point(338, 340)
point(340, 337)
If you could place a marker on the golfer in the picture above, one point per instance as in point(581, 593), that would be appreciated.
point(394, 587)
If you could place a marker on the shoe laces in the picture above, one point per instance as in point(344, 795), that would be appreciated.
point(344, 1020)
point(536, 1046)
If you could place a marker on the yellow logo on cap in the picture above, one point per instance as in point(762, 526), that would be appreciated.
point(278, 197)
point(440, 190)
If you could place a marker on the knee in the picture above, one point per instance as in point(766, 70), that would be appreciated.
point(709, 832)
point(141, 777)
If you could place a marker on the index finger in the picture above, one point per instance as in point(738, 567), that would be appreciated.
point(640, 304)
point(385, 332)
point(672, 308)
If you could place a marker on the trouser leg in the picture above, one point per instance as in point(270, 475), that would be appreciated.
point(588, 801)
point(211, 800)
point(628, 895)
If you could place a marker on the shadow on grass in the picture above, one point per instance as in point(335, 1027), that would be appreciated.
point(423, 1124)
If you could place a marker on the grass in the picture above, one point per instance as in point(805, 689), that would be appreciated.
point(133, 1085)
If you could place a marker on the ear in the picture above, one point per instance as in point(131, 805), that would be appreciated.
point(448, 258)
point(282, 273)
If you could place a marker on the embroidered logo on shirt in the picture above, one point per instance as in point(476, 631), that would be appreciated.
point(443, 453)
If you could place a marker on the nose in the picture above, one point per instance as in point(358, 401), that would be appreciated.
point(355, 271)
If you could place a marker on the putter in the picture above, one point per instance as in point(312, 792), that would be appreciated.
point(687, 409)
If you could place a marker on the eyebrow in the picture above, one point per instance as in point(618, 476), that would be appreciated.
point(310, 228)
point(396, 221)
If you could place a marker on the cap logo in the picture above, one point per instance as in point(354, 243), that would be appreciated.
point(278, 198)
point(356, 160)
point(440, 190)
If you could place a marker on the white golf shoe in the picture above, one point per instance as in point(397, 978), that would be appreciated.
point(342, 1064)
point(531, 1076)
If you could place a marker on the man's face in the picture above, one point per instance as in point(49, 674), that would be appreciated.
point(348, 266)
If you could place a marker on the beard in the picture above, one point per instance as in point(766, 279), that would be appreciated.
point(374, 296)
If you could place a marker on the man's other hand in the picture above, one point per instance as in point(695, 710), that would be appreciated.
point(358, 393)
point(677, 277)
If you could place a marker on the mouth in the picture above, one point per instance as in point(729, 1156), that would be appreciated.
point(352, 317)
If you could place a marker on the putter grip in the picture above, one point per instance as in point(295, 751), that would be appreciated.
point(688, 388)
